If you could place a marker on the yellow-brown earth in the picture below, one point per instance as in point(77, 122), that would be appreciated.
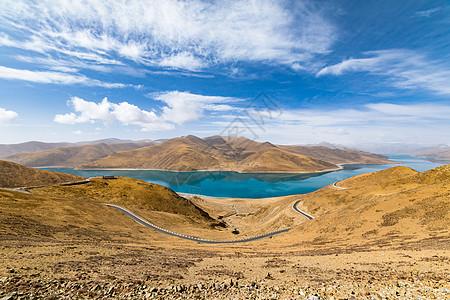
point(385, 236)
point(13, 175)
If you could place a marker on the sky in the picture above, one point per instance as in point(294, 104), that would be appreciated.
point(290, 72)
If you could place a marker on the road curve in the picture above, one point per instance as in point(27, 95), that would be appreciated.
point(15, 190)
point(301, 211)
point(25, 189)
point(338, 187)
point(191, 238)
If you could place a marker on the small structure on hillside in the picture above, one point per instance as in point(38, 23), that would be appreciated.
point(109, 177)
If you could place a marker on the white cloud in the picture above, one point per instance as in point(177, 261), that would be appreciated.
point(183, 61)
point(68, 119)
point(90, 111)
point(54, 77)
point(179, 108)
point(129, 113)
point(407, 69)
point(87, 112)
point(171, 33)
point(7, 116)
point(184, 107)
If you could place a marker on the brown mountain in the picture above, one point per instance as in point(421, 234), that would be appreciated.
point(191, 153)
point(8, 149)
point(34, 146)
point(439, 153)
point(338, 156)
point(13, 175)
point(389, 207)
point(71, 156)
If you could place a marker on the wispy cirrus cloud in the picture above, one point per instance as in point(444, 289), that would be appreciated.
point(408, 69)
point(7, 116)
point(55, 78)
point(189, 35)
point(178, 108)
point(429, 12)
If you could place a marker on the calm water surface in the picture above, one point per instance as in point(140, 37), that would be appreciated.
point(251, 185)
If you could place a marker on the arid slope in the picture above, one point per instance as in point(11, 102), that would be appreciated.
point(14, 175)
point(397, 206)
point(130, 192)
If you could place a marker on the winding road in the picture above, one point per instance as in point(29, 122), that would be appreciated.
point(338, 187)
point(168, 232)
point(301, 211)
point(15, 190)
point(206, 241)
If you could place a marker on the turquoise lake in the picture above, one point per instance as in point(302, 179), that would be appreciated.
point(252, 185)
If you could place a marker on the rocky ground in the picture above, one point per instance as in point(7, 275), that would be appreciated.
point(18, 288)
point(140, 272)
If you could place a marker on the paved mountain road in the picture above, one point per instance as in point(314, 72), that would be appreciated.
point(338, 187)
point(206, 241)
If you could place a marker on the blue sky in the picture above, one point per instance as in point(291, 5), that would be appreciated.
point(346, 72)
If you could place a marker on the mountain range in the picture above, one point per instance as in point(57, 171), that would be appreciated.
point(240, 154)
point(438, 152)
point(191, 153)
point(34, 146)
point(71, 156)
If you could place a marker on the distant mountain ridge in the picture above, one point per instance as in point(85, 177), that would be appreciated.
point(70, 156)
point(338, 155)
point(239, 154)
point(34, 146)
point(438, 152)
point(191, 153)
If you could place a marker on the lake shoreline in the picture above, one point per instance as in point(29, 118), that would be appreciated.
point(257, 185)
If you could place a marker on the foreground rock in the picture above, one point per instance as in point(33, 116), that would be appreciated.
point(23, 288)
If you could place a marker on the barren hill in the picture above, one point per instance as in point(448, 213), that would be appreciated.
point(33, 146)
point(191, 153)
point(130, 193)
point(439, 153)
point(338, 156)
point(14, 175)
point(71, 156)
point(396, 206)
